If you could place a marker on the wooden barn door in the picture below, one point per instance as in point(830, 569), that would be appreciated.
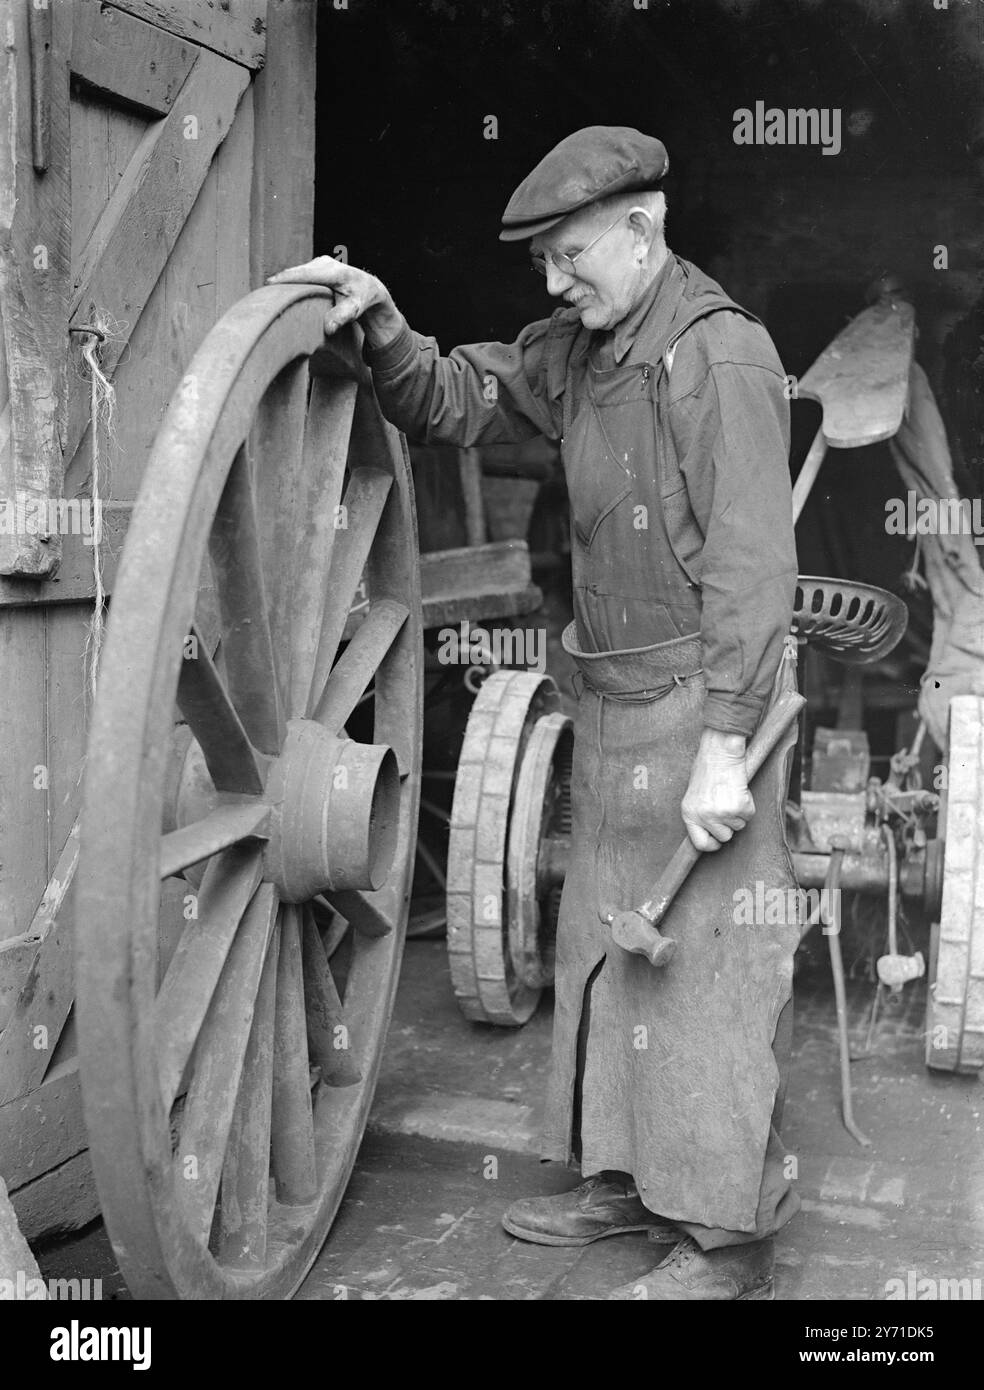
point(164, 166)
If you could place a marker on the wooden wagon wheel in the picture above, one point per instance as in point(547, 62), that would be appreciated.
point(955, 1000)
point(486, 981)
point(226, 1088)
point(539, 848)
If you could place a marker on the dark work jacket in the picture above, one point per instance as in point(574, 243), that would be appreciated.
point(674, 431)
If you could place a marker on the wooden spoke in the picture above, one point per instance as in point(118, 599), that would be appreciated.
point(208, 615)
point(326, 441)
point(292, 1137)
point(430, 859)
point(356, 668)
point(398, 669)
point(365, 498)
point(331, 924)
point(329, 1044)
point(234, 547)
point(432, 809)
point(219, 1054)
point(186, 992)
point(212, 718)
point(276, 450)
point(369, 913)
point(242, 1241)
point(225, 826)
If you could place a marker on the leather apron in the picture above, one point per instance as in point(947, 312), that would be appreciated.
point(679, 1078)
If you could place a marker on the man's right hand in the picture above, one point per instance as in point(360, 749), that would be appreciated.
point(358, 295)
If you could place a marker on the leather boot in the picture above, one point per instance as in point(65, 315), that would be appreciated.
point(600, 1206)
point(688, 1273)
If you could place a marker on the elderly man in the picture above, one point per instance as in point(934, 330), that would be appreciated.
point(667, 399)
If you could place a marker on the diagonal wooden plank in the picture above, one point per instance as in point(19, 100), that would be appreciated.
point(220, 1051)
point(35, 1023)
point(182, 1003)
point(127, 59)
point(130, 244)
point(234, 28)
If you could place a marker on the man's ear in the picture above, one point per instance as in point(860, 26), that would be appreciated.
point(642, 222)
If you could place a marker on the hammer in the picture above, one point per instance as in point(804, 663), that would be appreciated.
point(637, 929)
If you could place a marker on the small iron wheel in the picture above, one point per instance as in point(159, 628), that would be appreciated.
point(489, 931)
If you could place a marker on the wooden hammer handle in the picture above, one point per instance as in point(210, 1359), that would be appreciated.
point(768, 735)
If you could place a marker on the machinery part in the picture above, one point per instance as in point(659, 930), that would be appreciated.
point(955, 1001)
point(538, 849)
point(500, 725)
point(933, 879)
point(904, 770)
point(840, 762)
point(894, 971)
point(830, 816)
point(832, 933)
point(475, 677)
point(242, 1055)
point(637, 931)
point(854, 623)
point(866, 872)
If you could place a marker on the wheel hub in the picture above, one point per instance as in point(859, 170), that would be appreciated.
point(336, 810)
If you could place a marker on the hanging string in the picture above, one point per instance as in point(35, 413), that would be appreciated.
point(102, 407)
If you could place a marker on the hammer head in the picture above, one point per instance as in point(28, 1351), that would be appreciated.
point(633, 933)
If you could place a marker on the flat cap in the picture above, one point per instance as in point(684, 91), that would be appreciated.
point(592, 163)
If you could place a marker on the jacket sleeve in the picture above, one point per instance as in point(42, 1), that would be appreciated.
point(484, 393)
point(731, 433)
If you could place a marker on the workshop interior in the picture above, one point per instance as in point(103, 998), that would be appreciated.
point(320, 775)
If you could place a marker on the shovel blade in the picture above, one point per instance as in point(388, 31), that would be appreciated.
point(862, 379)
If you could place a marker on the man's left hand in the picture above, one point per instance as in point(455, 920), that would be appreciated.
point(717, 801)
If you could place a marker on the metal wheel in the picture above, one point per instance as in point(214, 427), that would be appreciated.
point(484, 974)
point(955, 1003)
point(539, 847)
point(227, 1081)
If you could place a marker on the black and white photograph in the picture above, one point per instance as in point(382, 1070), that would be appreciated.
point(492, 664)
